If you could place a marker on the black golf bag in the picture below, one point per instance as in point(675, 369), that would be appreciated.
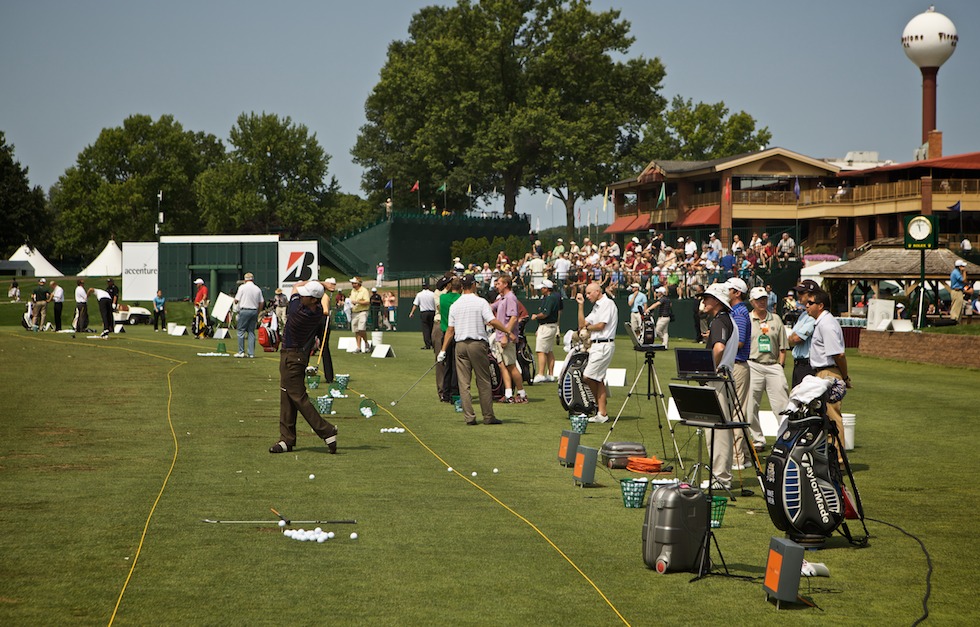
point(804, 486)
point(496, 379)
point(201, 325)
point(525, 356)
point(574, 394)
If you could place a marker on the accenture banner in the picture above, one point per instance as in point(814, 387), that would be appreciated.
point(298, 261)
point(140, 271)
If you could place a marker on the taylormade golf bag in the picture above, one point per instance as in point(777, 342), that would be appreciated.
point(496, 379)
point(525, 356)
point(574, 394)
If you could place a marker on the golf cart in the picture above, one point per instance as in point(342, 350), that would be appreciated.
point(131, 314)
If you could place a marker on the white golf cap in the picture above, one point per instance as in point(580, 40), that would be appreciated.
point(198, 281)
point(331, 280)
point(680, 239)
point(374, 289)
point(354, 279)
point(42, 281)
point(736, 283)
point(636, 285)
point(312, 289)
point(720, 292)
point(548, 284)
point(636, 240)
point(758, 292)
point(661, 290)
point(959, 262)
point(560, 239)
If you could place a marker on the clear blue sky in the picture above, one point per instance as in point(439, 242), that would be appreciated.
point(825, 77)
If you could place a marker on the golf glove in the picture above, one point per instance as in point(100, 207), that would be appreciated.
point(442, 357)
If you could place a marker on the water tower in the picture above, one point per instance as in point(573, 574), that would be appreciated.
point(929, 39)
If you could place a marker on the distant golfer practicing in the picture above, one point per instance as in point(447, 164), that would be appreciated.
point(303, 316)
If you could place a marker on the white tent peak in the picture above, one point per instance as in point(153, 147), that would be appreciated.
point(42, 267)
point(108, 263)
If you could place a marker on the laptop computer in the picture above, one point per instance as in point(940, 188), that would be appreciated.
point(698, 406)
point(695, 363)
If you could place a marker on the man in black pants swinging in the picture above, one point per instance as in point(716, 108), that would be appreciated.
point(303, 316)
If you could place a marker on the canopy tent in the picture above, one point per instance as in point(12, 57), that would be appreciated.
point(42, 267)
point(813, 271)
point(108, 263)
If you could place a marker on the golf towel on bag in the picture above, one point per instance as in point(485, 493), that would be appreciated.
point(574, 394)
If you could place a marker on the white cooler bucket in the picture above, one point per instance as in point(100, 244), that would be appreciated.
point(377, 337)
point(848, 420)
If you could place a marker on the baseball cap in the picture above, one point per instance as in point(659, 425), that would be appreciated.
point(960, 262)
point(331, 280)
point(808, 285)
point(548, 284)
point(636, 240)
point(43, 281)
point(313, 289)
point(661, 290)
point(355, 280)
point(198, 281)
point(374, 289)
point(467, 280)
point(736, 283)
point(636, 285)
point(758, 292)
point(720, 292)
point(560, 239)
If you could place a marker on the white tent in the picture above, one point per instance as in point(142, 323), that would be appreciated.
point(108, 263)
point(42, 267)
point(814, 270)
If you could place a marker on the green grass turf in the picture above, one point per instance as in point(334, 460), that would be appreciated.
point(88, 445)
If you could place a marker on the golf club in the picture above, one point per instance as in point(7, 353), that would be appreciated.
point(313, 370)
point(393, 403)
point(349, 521)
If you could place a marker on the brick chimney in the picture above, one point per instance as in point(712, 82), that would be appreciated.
point(935, 144)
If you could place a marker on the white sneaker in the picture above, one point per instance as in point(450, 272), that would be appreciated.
point(552, 378)
point(239, 355)
point(600, 418)
point(717, 485)
point(540, 379)
point(366, 350)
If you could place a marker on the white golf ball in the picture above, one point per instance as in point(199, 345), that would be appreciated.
point(473, 474)
point(312, 477)
point(330, 535)
point(392, 403)
point(495, 471)
point(450, 469)
point(353, 536)
point(318, 531)
point(321, 539)
point(282, 523)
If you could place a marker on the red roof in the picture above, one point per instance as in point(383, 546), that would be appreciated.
point(702, 216)
point(621, 225)
point(967, 161)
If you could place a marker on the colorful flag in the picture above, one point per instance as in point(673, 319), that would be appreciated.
point(469, 189)
point(605, 199)
point(662, 198)
point(955, 207)
point(728, 189)
point(389, 183)
point(796, 188)
point(415, 187)
point(442, 188)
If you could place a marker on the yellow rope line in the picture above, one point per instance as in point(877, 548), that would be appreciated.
point(166, 479)
point(510, 510)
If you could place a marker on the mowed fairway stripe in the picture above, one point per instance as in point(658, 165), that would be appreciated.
point(173, 462)
point(507, 508)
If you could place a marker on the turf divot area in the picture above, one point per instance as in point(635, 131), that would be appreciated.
point(88, 449)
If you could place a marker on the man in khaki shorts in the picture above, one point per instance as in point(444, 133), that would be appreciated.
point(360, 298)
point(544, 343)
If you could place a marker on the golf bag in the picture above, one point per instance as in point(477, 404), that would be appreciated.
point(201, 324)
point(268, 332)
point(574, 394)
point(27, 320)
point(525, 356)
point(803, 483)
point(496, 379)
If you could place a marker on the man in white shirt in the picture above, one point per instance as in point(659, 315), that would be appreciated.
point(561, 266)
point(81, 307)
point(601, 324)
point(249, 300)
point(58, 299)
point(467, 326)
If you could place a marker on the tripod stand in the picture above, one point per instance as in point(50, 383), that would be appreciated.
point(653, 382)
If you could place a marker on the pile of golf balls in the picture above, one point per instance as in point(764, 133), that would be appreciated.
point(393, 430)
point(317, 535)
point(337, 394)
point(366, 412)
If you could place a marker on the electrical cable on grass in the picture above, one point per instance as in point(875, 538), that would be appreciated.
point(925, 599)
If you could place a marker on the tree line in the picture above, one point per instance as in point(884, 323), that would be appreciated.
point(483, 98)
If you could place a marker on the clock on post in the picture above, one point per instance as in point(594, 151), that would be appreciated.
point(920, 233)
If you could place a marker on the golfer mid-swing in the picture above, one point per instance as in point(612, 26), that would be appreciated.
point(303, 315)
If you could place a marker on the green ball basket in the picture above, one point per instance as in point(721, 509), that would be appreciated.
point(633, 492)
point(718, 506)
